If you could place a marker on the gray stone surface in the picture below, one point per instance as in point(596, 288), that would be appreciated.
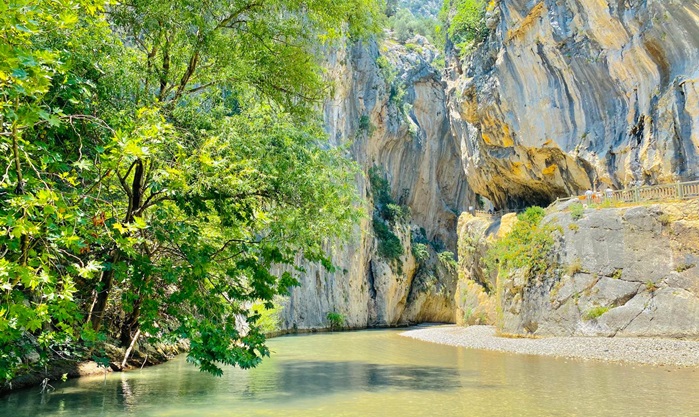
point(567, 94)
point(411, 141)
point(620, 272)
point(612, 292)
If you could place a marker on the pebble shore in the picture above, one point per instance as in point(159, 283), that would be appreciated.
point(649, 351)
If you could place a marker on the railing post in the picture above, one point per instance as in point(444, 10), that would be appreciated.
point(636, 195)
point(680, 193)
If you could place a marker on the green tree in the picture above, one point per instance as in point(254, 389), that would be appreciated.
point(465, 20)
point(405, 25)
point(40, 211)
point(529, 245)
point(160, 161)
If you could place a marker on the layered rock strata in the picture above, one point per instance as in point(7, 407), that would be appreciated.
point(566, 95)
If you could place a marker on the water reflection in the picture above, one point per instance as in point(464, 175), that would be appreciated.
point(372, 373)
point(321, 378)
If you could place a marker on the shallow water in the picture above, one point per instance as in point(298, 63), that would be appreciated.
point(375, 373)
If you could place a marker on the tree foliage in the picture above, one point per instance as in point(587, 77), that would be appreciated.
point(405, 25)
point(465, 22)
point(529, 245)
point(160, 159)
point(387, 215)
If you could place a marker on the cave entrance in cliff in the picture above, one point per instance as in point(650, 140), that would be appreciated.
point(484, 204)
point(520, 201)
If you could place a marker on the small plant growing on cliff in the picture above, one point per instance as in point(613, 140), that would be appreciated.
point(573, 227)
point(380, 188)
point(651, 286)
point(595, 313)
point(684, 266)
point(420, 252)
point(395, 213)
point(365, 125)
point(574, 267)
point(577, 211)
point(448, 260)
point(336, 320)
point(388, 72)
point(664, 219)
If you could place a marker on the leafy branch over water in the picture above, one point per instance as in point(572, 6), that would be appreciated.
point(158, 159)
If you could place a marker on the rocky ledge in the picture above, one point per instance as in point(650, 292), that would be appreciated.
point(629, 271)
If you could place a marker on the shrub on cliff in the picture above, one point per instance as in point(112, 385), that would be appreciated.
point(420, 252)
point(390, 247)
point(528, 245)
point(336, 320)
point(465, 20)
point(386, 215)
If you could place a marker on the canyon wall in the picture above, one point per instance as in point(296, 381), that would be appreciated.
point(389, 110)
point(565, 95)
point(560, 97)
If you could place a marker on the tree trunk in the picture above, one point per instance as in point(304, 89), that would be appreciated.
point(130, 325)
point(99, 302)
point(102, 296)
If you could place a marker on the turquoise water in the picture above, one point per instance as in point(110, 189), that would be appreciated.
point(374, 373)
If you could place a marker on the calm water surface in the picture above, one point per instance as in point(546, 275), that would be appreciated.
point(375, 373)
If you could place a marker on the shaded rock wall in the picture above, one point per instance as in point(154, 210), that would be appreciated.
point(402, 129)
point(568, 94)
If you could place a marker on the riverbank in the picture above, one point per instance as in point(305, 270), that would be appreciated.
point(59, 369)
point(648, 351)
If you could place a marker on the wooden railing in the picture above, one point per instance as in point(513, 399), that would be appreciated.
point(664, 192)
point(493, 214)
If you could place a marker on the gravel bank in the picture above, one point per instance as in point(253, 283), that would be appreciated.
point(662, 352)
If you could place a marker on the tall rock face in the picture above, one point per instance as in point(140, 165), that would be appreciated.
point(389, 110)
point(566, 95)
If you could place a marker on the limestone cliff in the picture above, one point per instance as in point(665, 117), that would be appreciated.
point(628, 271)
point(389, 109)
point(561, 96)
point(568, 94)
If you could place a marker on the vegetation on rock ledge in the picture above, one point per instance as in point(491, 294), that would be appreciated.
point(387, 214)
point(529, 245)
point(465, 20)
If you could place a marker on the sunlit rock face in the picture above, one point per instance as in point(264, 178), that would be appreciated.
point(626, 271)
point(570, 94)
point(623, 272)
point(404, 132)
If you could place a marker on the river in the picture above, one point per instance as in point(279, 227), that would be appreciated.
point(374, 373)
